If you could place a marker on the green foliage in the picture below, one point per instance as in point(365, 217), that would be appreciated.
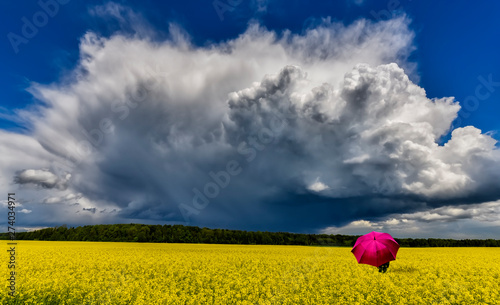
point(190, 234)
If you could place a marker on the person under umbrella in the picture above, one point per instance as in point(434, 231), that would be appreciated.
point(376, 249)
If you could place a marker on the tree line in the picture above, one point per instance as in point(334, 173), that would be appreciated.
point(191, 234)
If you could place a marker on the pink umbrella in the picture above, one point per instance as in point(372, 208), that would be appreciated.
point(375, 248)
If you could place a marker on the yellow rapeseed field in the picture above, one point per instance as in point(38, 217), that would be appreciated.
point(132, 273)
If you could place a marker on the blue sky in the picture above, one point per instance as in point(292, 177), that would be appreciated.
point(449, 51)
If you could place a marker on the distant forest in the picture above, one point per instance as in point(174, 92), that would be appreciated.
point(190, 234)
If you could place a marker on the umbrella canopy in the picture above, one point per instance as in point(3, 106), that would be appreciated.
point(375, 248)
